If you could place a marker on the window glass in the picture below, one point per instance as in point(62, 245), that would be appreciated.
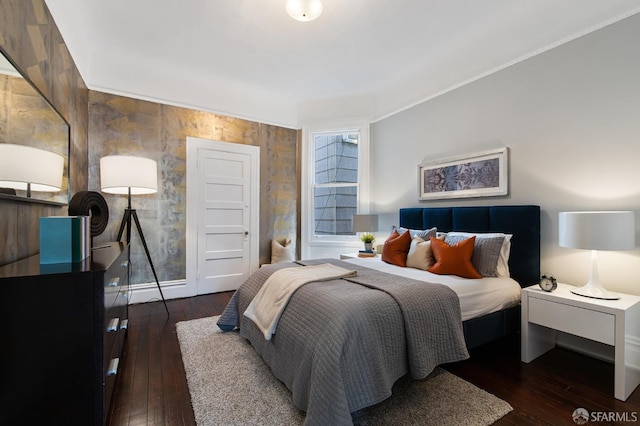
point(335, 186)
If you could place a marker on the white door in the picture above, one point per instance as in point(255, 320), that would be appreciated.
point(224, 237)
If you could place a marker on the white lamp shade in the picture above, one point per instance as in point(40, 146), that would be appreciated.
point(365, 222)
point(597, 230)
point(21, 165)
point(304, 10)
point(119, 173)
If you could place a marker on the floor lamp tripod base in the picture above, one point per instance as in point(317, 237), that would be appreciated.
point(129, 215)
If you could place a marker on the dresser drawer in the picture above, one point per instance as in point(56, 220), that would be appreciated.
point(114, 332)
point(110, 338)
point(114, 323)
point(120, 310)
point(111, 290)
point(581, 322)
point(116, 280)
point(116, 290)
point(111, 372)
point(116, 277)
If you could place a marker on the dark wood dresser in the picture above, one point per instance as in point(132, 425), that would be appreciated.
point(65, 326)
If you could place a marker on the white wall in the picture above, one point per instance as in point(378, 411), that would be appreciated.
point(571, 119)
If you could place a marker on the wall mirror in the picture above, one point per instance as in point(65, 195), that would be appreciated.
point(34, 142)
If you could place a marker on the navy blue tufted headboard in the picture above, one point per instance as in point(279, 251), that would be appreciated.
point(521, 221)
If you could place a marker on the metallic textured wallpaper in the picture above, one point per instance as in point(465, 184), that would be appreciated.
point(125, 126)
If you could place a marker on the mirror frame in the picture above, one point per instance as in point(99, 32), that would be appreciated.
point(67, 167)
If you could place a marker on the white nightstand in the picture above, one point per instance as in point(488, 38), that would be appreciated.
point(612, 322)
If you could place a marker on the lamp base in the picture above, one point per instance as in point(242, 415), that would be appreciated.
point(129, 216)
point(595, 292)
point(593, 288)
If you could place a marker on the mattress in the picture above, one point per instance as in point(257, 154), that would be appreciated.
point(478, 297)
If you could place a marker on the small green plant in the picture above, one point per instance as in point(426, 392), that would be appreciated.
point(367, 238)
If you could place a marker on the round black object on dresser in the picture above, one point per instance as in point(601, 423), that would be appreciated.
point(91, 203)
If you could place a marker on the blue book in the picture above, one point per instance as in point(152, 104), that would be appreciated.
point(64, 239)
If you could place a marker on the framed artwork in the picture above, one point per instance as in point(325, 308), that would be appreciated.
point(483, 174)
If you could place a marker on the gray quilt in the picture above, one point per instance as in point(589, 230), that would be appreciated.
point(341, 344)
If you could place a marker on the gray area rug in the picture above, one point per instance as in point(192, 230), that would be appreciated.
point(231, 385)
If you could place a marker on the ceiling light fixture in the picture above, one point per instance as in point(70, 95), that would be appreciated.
point(304, 10)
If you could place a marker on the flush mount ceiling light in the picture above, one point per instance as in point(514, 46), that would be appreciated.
point(304, 10)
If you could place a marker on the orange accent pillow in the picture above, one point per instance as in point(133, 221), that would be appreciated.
point(455, 259)
point(396, 247)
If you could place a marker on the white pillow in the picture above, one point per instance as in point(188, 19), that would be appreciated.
point(420, 254)
point(502, 269)
point(282, 250)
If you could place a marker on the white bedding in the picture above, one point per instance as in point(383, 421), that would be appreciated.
point(477, 297)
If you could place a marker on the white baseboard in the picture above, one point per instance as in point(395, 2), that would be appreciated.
point(148, 292)
point(633, 352)
point(585, 346)
point(600, 350)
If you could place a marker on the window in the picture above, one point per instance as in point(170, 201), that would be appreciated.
point(335, 183)
point(335, 175)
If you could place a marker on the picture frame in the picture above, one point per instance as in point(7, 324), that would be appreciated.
point(483, 174)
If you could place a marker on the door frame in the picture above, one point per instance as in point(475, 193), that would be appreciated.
point(191, 238)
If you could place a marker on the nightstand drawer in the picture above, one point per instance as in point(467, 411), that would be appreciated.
point(581, 322)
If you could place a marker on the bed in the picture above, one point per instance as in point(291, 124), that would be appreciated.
point(522, 221)
point(341, 344)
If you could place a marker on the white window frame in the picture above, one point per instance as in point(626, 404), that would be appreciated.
point(323, 245)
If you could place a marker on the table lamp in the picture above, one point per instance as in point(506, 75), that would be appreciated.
point(597, 230)
point(366, 223)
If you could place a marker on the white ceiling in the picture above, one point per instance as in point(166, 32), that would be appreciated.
point(361, 58)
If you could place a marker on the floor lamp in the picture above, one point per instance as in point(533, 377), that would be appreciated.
point(121, 174)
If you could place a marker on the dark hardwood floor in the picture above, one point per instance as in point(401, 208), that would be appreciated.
point(152, 388)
